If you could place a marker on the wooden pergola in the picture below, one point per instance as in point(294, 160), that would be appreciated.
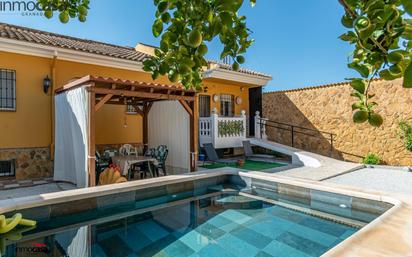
point(141, 96)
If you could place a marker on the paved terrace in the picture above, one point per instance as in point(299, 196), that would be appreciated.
point(306, 165)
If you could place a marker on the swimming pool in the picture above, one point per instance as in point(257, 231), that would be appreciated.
point(225, 215)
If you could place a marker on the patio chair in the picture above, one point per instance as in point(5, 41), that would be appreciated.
point(161, 153)
point(127, 149)
point(212, 155)
point(248, 151)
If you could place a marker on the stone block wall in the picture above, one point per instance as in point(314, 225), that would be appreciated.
point(328, 108)
point(31, 163)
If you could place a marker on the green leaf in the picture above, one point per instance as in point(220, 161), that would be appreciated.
point(362, 69)
point(358, 85)
point(157, 28)
point(407, 80)
point(350, 36)
point(407, 5)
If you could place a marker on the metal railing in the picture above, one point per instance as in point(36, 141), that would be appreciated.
point(263, 123)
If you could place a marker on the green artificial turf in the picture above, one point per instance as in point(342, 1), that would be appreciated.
point(249, 165)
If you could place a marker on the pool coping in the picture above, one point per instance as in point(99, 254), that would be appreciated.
point(392, 226)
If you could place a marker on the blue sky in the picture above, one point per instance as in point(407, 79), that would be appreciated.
point(295, 41)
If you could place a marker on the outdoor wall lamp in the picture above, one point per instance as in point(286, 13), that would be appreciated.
point(46, 84)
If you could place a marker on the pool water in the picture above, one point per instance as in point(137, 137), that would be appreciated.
point(223, 224)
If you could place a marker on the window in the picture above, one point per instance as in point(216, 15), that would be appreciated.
point(7, 168)
point(130, 109)
point(227, 105)
point(7, 90)
point(204, 106)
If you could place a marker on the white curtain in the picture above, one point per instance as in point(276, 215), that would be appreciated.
point(71, 115)
point(75, 242)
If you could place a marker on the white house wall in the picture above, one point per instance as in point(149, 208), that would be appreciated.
point(168, 124)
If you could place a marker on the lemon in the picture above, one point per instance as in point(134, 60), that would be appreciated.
point(48, 14)
point(240, 59)
point(82, 18)
point(195, 38)
point(64, 17)
point(375, 120)
point(82, 10)
point(202, 50)
point(360, 116)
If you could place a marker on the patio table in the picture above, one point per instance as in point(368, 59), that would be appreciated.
point(126, 162)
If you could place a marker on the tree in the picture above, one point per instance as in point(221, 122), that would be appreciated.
point(382, 37)
point(379, 30)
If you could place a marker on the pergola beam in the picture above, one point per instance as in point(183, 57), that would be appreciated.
point(128, 93)
point(186, 107)
point(102, 102)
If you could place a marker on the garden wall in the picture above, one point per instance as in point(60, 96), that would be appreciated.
point(328, 108)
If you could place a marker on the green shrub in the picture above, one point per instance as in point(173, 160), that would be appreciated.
point(371, 159)
point(406, 134)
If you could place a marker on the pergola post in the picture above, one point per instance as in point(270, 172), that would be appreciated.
point(91, 155)
point(194, 134)
point(146, 110)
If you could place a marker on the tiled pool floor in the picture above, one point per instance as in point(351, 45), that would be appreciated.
point(266, 231)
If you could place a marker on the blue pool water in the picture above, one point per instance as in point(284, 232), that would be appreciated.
point(223, 225)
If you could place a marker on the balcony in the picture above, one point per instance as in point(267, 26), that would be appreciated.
point(223, 132)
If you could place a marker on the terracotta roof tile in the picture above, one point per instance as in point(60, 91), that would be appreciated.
point(14, 32)
point(56, 40)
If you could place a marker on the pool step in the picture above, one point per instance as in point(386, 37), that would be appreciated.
point(308, 211)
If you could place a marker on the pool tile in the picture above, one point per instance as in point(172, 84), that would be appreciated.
point(219, 221)
point(78, 206)
point(279, 249)
point(347, 234)
point(135, 239)
point(263, 254)
point(157, 248)
point(214, 250)
point(116, 200)
point(324, 226)
point(252, 237)
point(210, 231)
point(152, 192)
point(235, 216)
point(271, 228)
point(195, 240)
point(237, 247)
point(115, 247)
point(97, 251)
point(178, 249)
point(302, 244)
point(319, 237)
point(152, 230)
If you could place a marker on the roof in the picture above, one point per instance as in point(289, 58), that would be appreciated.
point(241, 70)
point(29, 35)
point(331, 85)
point(56, 40)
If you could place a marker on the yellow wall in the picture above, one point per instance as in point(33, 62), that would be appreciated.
point(214, 87)
point(30, 125)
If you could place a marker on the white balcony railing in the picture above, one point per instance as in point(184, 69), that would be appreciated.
point(222, 132)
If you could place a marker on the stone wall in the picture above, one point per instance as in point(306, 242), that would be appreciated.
point(30, 162)
point(328, 108)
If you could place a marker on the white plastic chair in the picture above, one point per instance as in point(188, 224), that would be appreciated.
point(127, 149)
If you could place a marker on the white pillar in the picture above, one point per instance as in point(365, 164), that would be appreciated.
point(214, 126)
point(260, 127)
point(257, 124)
point(243, 115)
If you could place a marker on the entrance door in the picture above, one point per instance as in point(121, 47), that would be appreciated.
point(204, 105)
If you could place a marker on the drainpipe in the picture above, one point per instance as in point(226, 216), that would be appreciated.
point(53, 81)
